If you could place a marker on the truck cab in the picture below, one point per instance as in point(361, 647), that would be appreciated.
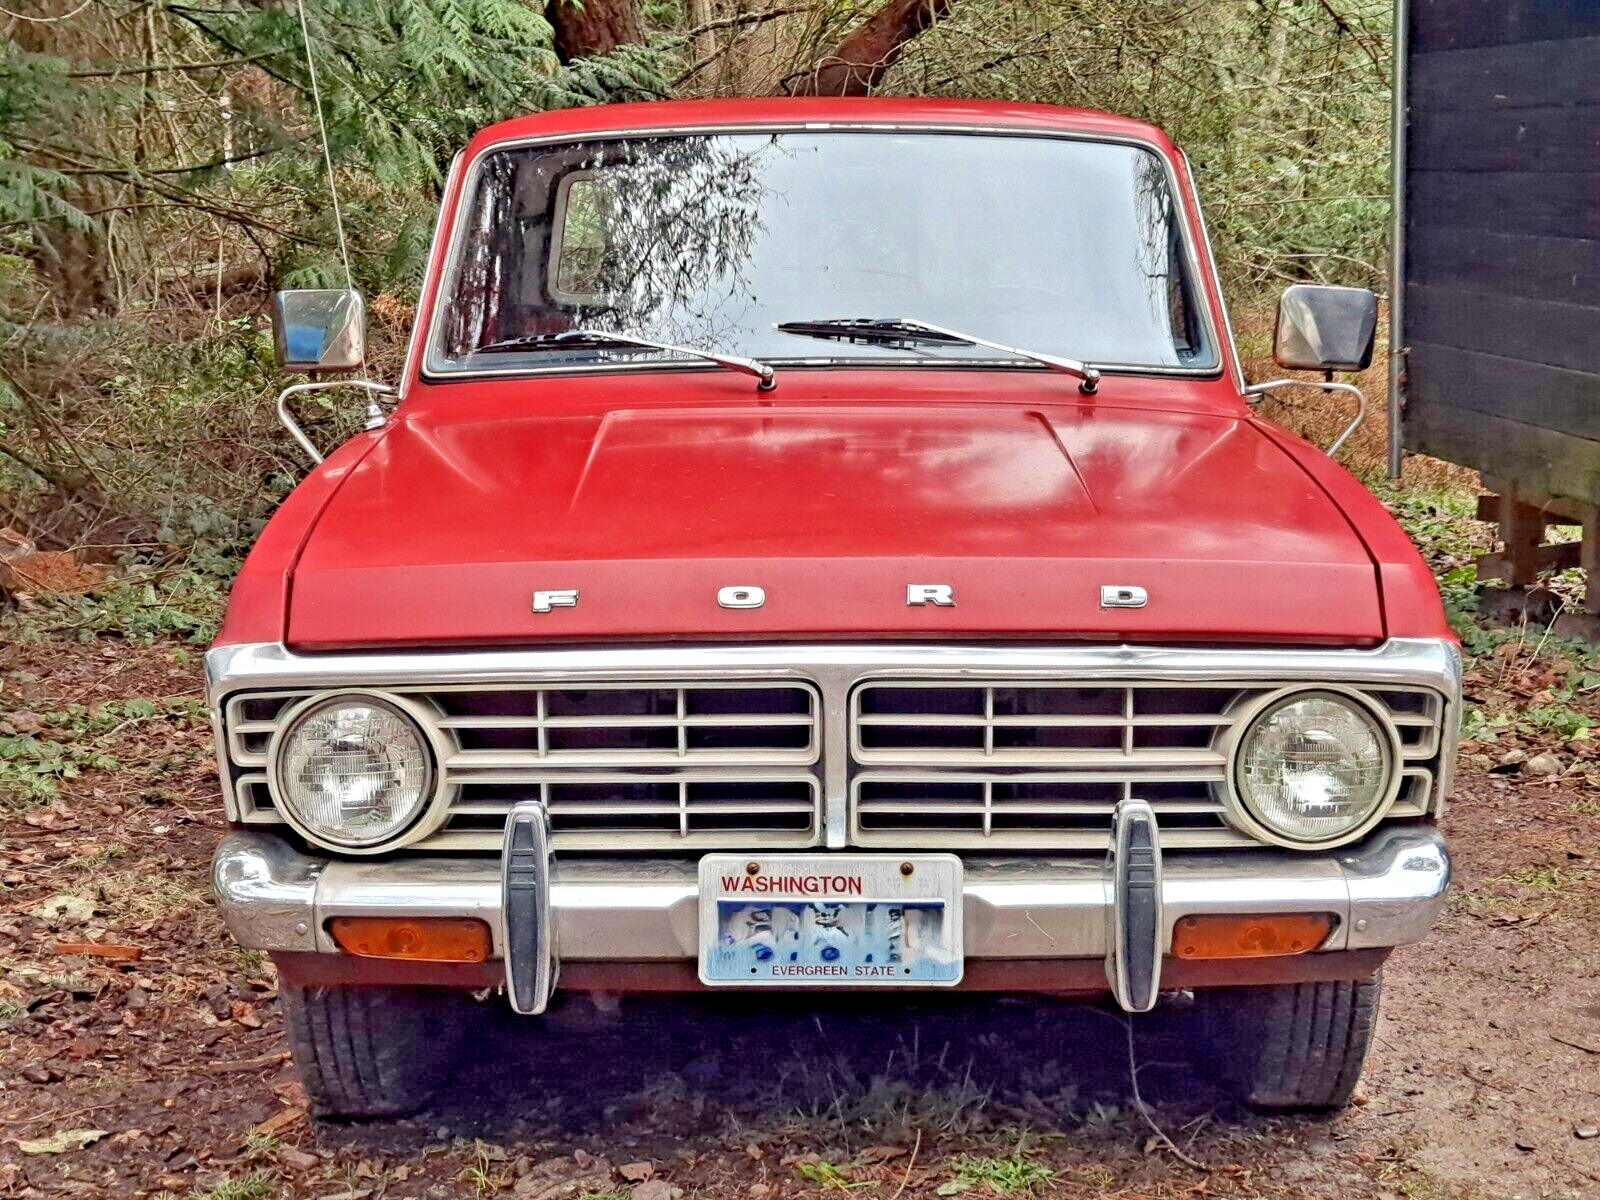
point(829, 544)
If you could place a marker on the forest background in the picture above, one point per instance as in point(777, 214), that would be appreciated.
point(161, 174)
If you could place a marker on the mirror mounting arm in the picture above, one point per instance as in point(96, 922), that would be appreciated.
point(377, 417)
point(1326, 385)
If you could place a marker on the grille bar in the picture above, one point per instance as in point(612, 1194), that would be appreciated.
point(588, 809)
point(738, 722)
point(1048, 721)
point(1042, 765)
point(1044, 757)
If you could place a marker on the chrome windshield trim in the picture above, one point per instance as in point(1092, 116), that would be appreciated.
point(436, 251)
point(1211, 261)
point(431, 369)
point(807, 364)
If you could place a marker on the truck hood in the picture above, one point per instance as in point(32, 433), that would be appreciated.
point(445, 530)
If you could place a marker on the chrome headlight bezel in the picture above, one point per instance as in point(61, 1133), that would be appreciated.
point(431, 810)
point(1242, 816)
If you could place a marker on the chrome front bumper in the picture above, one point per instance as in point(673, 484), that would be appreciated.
point(1384, 892)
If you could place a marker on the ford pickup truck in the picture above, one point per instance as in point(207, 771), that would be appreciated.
point(828, 544)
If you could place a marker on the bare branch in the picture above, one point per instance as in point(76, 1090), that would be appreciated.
point(152, 68)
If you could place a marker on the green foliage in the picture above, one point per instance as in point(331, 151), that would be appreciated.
point(144, 605)
point(80, 720)
point(36, 756)
point(1540, 879)
point(259, 1145)
point(403, 85)
point(179, 446)
point(32, 767)
point(257, 1185)
point(1001, 1176)
point(827, 1176)
point(129, 196)
point(479, 1174)
point(33, 87)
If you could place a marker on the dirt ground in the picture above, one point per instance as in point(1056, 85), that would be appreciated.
point(130, 1024)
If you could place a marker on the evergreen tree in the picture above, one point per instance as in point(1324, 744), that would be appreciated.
point(186, 111)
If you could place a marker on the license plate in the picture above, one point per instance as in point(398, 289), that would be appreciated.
point(827, 920)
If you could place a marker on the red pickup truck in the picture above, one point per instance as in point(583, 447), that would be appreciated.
point(829, 544)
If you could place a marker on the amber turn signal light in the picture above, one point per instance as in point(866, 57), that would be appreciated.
point(425, 939)
point(1225, 935)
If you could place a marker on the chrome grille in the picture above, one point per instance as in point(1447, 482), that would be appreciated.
point(985, 748)
point(629, 726)
point(618, 766)
point(1042, 765)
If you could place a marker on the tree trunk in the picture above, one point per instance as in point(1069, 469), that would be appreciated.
point(595, 27)
point(871, 48)
point(699, 14)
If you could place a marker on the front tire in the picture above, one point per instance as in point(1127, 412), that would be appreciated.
point(372, 1051)
point(1298, 1045)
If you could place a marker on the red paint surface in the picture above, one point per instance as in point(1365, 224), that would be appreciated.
point(1411, 603)
point(648, 491)
point(259, 602)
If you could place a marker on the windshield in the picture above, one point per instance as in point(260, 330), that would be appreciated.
point(1064, 247)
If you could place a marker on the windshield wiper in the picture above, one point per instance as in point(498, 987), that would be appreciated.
point(904, 329)
point(602, 339)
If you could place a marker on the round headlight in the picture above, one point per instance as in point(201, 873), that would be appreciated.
point(353, 770)
point(1314, 767)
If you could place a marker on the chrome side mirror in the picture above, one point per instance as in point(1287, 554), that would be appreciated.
point(320, 329)
point(1324, 328)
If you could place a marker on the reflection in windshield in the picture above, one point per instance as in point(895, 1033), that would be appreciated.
point(1071, 248)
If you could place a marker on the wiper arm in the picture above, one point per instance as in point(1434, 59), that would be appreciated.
point(601, 339)
point(904, 329)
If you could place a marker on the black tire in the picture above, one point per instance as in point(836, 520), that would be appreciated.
point(372, 1051)
point(1297, 1045)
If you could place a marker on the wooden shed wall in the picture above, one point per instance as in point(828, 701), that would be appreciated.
point(1502, 262)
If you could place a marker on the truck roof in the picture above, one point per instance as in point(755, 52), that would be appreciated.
point(788, 110)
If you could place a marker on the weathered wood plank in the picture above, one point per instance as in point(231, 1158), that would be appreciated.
point(1557, 335)
point(1562, 556)
point(1508, 202)
point(1521, 534)
point(1503, 249)
point(1532, 393)
point(1539, 459)
point(1589, 557)
point(1561, 270)
point(1464, 24)
point(1557, 510)
point(1541, 140)
point(1523, 75)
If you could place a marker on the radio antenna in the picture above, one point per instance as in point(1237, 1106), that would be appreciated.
point(327, 156)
